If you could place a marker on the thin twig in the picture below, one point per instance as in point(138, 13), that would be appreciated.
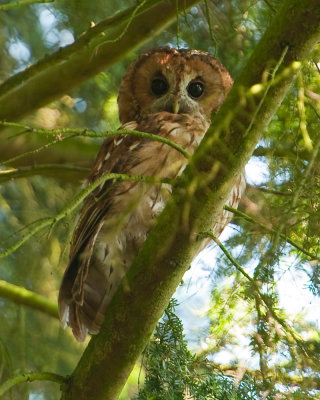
point(271, 230)
point(35, 151)
point(208, 16)
point(88, 133)
point(317, 66)
point(270, 191)
point(133, 15)
point(55, 170)
point(232, 260)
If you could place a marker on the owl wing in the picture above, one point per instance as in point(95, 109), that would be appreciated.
point(112, 157)
point(86, 285)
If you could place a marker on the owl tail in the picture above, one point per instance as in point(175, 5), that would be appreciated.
point(85, 293)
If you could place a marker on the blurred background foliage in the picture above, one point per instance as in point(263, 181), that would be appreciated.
point(282, 350)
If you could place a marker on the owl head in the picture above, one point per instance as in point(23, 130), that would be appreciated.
point(172, 80)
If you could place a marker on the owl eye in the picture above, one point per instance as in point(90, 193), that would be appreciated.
point(159, 86)
point(195, 89)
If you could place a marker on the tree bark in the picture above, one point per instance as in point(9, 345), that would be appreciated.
point(197, 201)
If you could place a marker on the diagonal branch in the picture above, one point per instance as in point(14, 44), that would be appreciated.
point(69, 173)
point(91, 53)
point(196, 205)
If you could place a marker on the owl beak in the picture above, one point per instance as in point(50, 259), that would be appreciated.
point(176, 106)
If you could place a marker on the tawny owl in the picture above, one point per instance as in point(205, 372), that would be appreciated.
point(167, 92)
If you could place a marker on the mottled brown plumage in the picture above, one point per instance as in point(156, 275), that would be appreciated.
point(167, 92)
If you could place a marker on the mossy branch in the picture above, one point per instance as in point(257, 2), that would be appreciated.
point(91, 53)
point(196, 205)
point(20, 295)
point(69, 133)
point(31, 377)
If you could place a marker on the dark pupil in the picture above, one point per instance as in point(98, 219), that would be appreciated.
point(195, 89)
point(159, 87)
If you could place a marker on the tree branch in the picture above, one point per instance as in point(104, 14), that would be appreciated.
point(91, 53)
point(308, 382)
point(68, 173)
point(196, 205)
point(271, 230)
point(71, 133)
point(19, 3)
point(31, 377)
point(20, 295)
point(270, 191)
